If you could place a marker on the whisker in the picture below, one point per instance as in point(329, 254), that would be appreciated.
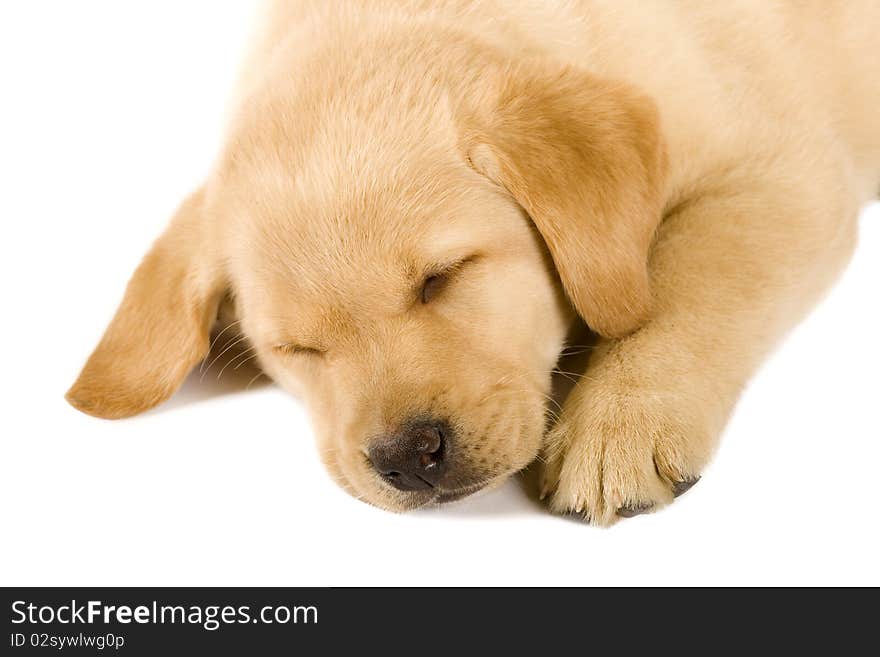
point(232, 360)
point(550, 399)
point(565, 375)
point(566, 353)
point(245, 352)
point(246, 360)
point(578, 346)
point(215, 340)
point(228, 347)
point(573, 376)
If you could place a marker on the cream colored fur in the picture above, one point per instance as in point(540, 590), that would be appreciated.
point(684, 176)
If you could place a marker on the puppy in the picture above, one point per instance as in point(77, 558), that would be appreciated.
point(417, 201)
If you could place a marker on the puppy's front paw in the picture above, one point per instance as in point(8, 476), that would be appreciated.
point(622, 455)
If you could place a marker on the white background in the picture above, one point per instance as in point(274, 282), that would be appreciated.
point(110, 113)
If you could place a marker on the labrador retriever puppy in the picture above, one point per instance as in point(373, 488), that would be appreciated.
point(417, 201)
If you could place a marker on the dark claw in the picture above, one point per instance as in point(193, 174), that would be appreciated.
point(630, 511)
point(579, 516)
point(682, 487)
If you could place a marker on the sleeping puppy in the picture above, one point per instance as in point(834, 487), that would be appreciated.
point(417, 201)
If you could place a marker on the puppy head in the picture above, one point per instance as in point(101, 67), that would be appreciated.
point(407, 263)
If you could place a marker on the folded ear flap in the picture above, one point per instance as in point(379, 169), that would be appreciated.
point(586, 160)
point(161, 329)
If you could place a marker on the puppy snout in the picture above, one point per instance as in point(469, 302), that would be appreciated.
point(412, 458)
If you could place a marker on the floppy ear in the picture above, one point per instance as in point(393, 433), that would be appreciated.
point(161, 329)
point(585, 158)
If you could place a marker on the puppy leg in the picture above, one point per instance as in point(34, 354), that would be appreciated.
point(732, 274)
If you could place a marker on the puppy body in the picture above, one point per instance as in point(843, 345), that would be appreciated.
point(685, 177)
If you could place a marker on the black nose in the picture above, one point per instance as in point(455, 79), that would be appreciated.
point(413, 457)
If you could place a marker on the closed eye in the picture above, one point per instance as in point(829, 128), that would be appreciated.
point(433, 284)
point(294, 349)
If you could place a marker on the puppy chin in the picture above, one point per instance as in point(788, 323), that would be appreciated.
point(411, 501)
point(446, 497)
